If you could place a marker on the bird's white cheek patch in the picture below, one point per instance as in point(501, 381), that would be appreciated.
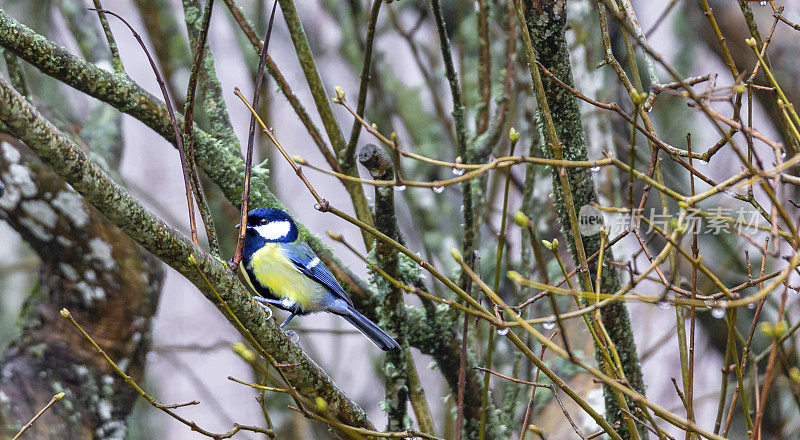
point(274, 230)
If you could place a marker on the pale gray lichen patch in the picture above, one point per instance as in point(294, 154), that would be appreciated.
point(20, 176)
point(82, 371)
point(112, 430)
point(36, 229)
point(18, 184)
point(101, 251)
point(90, 293)
point(72, 206)
point(10, 153)
point(40, 211)
point(64, 241)
point(104, 408)
point(10, 198)
point(69, 272)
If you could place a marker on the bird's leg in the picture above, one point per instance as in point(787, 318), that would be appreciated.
point(286, 321)
point(275, 302)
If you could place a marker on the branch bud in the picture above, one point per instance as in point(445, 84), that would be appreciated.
point(515, 276)
point(521, 219)
point(335, 237)
point(339, 95)
point(638, 97)
point(243, 352)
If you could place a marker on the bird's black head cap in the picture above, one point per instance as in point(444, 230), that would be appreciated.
point(271, 225)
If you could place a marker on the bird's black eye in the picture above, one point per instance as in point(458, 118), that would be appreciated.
point(263, 221)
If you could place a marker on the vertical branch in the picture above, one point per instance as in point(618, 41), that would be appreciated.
point(112, 43)
point(188, 131)
point(545, 23)
point(262, 59)
point(484, 66)
point(211, 97)
point(501, 241)
point(380, 167)
point(469, 215)
point(419, 403)
point(365, 77)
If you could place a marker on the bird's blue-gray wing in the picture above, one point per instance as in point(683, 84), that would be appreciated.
point(307, 262)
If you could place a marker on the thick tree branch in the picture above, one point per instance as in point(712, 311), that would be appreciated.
point(208, 273)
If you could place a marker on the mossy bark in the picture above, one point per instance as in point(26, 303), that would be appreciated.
point(395, 365)
point(546, 23)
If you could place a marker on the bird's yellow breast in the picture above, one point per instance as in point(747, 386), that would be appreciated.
point(275, 272)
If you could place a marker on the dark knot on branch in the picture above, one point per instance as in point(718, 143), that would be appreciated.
point(377, 162)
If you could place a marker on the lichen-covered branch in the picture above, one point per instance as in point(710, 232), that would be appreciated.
point(546, 22)
point(212, 98)
point(380, 167)
point(207, 272)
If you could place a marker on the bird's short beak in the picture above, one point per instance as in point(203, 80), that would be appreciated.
point(238, 225)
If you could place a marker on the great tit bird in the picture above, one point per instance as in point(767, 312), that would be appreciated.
point(287, 274)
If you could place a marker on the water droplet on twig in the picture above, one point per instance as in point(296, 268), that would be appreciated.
point(458, 171)
point(400, 188)
point(438, 189)
point(502, 331)
point(549, 325)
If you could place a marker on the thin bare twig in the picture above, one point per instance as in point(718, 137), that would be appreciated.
point(262, 59)
point(30, 423)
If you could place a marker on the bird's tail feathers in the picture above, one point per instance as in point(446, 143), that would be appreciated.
point(370, 330)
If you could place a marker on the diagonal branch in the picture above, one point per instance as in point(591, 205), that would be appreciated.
point(207, 272)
